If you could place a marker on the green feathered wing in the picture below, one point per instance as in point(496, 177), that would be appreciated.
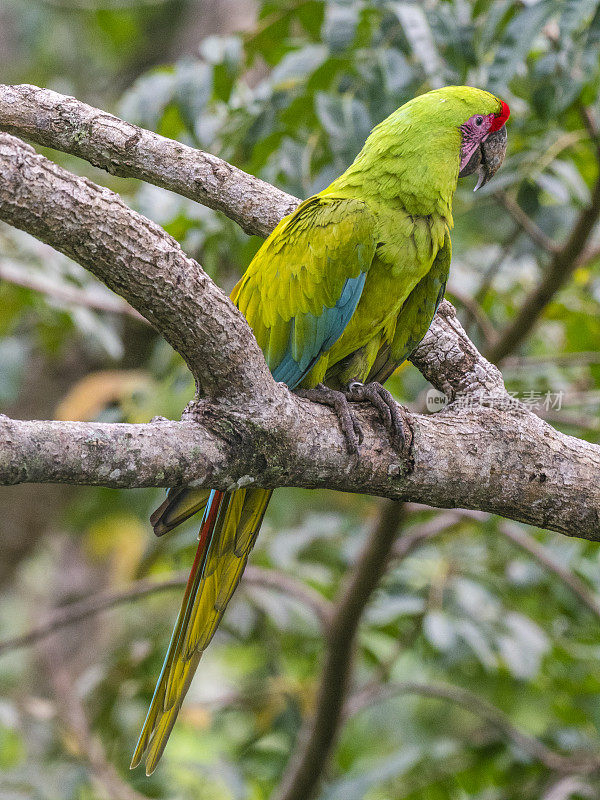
point(303, 286)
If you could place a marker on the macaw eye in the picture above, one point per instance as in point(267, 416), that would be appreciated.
point(478, 120)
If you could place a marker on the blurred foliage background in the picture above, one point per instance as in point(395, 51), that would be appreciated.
point(477, 660)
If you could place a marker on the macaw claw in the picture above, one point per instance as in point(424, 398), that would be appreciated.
point(350, 426)
point(393, 416)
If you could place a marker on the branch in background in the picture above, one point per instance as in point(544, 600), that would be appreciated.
point(419, 534)
point(525, 223)
point(79, 610)
point(65, 293)
point(534, 748)
point(591, 126)
point(568, 787)
point(88, 607)
point(287, 585)
point(564, 261)
point(476, 314)
point(494, 266)
point(89, 749)
point(578, 358)
point(589, 255)
point(526, 542)
point(62, 662)
point(304, 771)
point(582, 424)
point(406, 545)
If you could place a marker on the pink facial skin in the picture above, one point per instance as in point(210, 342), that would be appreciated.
point(476, 129)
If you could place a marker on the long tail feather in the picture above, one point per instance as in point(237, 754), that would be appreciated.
point(229, 528)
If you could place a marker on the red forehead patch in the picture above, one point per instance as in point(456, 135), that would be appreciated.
point(501, 118)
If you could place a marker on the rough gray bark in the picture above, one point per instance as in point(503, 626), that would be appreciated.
point(136, 259)
point(495, 455)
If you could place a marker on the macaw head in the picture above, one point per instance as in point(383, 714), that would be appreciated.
point(459, 125)
point(483, 143)
point(420, 150)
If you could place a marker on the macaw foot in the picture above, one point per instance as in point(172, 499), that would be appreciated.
point(350, 426)
point(394, 416)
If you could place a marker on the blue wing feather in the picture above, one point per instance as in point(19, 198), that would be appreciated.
point(326, 329)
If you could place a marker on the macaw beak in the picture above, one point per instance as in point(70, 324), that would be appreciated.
point(488, 157)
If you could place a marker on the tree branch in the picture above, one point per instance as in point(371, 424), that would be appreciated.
point(562, 265)
point(568, 787)
point(494, 455)
point(525, 223)
point(419, 534)
point(508, 462)
point(501, 459)
point(62, 122)
point(136, 259)
point(67, 293)
point(475, 312)
point(88, 747)
point(527, 543)
point(89, 606)
point(476, 705)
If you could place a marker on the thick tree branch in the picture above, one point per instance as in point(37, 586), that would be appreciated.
point(104, 140)
point(451, 362)
point(135, 258)
point(507, 461)
point(493, 455)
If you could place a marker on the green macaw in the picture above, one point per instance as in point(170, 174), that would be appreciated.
point(338, 296)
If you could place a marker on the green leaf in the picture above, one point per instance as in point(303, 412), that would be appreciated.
point(516, 42)
point(296, 66)
point(339, 27)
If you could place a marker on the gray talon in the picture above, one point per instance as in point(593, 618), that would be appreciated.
point(350, 426)
point(393, 416)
